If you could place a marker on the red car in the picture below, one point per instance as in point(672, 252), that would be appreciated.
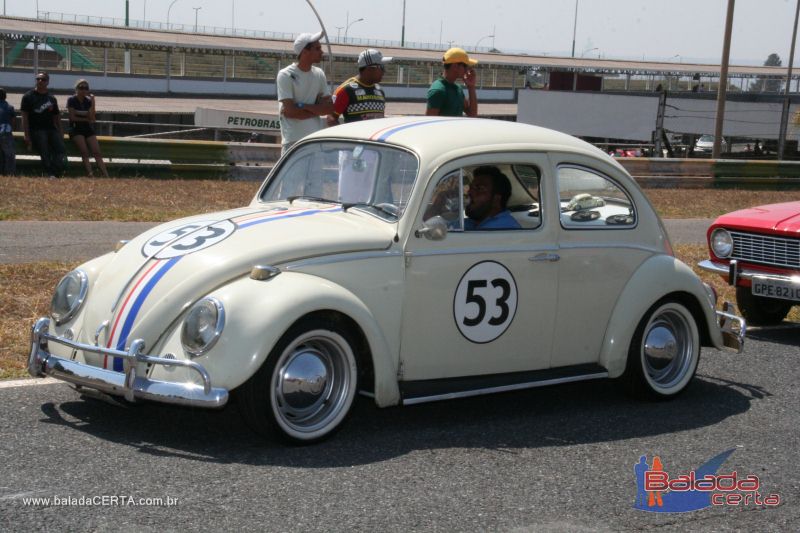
point(758, 251)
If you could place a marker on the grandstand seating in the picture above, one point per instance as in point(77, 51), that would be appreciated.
point(197, 64)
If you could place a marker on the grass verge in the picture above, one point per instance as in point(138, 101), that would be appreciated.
point(25, 291)
point(124, 199)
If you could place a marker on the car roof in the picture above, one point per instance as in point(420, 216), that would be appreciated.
point(431, 137)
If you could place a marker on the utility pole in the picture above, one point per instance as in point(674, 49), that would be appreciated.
point(662, 108)
point(196, 10)
point(574, 28)
point(403, 30)
point(127, 55)
point(785, 107)
point(722, 91)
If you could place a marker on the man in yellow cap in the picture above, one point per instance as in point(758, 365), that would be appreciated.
point(445, 96)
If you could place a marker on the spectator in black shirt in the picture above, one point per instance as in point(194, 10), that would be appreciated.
point(42, 126)
point(81, 108)
point(8, 120)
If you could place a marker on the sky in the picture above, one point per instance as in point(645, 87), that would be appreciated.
point(673, 30)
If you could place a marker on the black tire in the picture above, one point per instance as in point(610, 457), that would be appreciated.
point(305, 389)
point(664, 352)
point(760, 311)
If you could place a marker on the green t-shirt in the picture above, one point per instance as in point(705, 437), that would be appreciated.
point(447, 97)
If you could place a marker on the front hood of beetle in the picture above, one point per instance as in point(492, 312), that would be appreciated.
point(152, 279)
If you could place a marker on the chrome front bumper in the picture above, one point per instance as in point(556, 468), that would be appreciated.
point(734, 272)
point(128, 384)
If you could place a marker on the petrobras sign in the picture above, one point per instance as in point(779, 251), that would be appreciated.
point(235, 120)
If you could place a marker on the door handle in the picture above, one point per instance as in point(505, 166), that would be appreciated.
point(545, 258)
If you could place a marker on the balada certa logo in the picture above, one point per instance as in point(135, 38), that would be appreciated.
point(659, 492)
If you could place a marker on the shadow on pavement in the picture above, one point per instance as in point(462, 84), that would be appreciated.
point(786, 333)
point(571, 414)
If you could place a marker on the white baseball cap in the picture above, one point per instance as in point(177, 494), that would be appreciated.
point(371, 57)
point(304, 39)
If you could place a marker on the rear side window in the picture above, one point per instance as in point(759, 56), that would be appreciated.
point(590, 200)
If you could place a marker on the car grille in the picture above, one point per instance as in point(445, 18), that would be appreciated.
point(765, 249)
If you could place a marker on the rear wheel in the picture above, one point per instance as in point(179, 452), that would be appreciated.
point(760, 311)
point(305, 389)
point(664, 352)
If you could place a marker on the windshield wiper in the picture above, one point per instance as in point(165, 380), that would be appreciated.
point(389, 209)
point(312, 199)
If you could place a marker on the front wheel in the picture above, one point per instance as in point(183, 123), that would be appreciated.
point(664, 352)
point(761, 311)
point(305, 388)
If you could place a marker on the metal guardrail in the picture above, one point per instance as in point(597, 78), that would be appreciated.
point(170, 158)
point(166, 158)
point(703, 173)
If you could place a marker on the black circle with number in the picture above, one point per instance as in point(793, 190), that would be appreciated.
point(188, 238)
point(485, 302)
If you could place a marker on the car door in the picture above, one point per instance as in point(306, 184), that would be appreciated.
point(481, 302)
point(599, 248)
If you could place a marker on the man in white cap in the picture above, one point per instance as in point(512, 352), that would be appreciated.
point(361, 97)
point(303, 92)
point(445, 96)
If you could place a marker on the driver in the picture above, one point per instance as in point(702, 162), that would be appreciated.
point(488, 194)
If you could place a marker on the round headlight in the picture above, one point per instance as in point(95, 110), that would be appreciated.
point(69, 296)
point(721, 242)
point(202, 326)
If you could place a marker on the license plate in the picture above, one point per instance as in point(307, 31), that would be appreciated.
point(776, 289)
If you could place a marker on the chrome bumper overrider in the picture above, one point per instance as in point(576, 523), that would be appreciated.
point(732, 337)
point(128, 384)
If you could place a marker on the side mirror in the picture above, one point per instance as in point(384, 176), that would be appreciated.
point(435, 229)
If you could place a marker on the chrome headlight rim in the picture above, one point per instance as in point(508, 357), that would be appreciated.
point(715, 240)
point(76, 305)
point(218, 326)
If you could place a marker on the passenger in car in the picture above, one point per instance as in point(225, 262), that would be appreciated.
point(488, 195)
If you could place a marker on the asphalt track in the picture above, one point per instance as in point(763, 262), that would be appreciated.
point(551, 459)
point(32, 241)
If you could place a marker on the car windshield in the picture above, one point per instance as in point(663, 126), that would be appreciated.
point(706, 138)
point(369, 176)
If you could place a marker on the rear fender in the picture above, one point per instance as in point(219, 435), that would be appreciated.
point(659, 276)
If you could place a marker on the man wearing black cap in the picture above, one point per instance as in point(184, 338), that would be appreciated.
point(445, 96)
point(303, 92)
point(41, 123)
point(361, 97)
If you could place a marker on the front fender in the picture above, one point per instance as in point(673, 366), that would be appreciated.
point(657, 277)
point(258, 313)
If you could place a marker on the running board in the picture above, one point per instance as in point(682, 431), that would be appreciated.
point(434, 390)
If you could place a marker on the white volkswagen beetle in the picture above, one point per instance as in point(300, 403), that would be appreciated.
point(369, 262)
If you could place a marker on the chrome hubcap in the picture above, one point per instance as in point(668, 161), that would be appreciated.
point(303, 381)
point(313, 381)
point(668, 348)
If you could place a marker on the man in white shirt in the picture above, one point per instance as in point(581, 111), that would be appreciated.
point(303, 92)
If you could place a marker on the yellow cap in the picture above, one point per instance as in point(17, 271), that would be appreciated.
point(458, 55)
